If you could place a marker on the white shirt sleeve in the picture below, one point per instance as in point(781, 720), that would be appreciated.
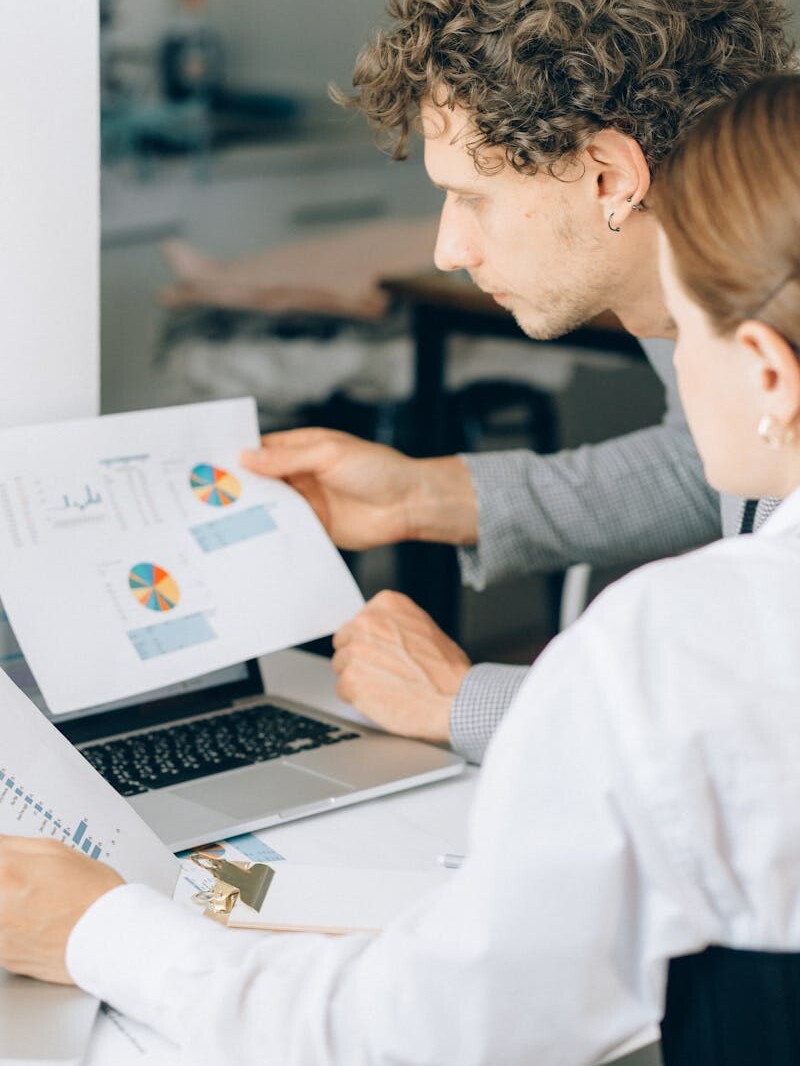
point(600, 847)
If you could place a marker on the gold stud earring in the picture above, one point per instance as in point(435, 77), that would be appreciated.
point(773, 434)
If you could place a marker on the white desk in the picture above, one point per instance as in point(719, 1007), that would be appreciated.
point(407, 830)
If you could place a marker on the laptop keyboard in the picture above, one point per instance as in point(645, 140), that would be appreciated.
point(203, 746)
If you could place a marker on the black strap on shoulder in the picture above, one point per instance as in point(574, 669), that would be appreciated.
point(749, 516)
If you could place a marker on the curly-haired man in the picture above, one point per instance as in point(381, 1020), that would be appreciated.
point(545, 123)
point(633, 819)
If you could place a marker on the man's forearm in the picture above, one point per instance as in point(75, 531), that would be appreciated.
point(640, 497)
point(443, 508)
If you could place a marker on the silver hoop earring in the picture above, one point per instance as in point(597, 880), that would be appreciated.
point(774, 435)
point(614, 229)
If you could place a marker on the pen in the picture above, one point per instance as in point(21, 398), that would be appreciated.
point(451, 862)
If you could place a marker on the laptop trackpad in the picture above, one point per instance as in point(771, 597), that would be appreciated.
point(259, 790)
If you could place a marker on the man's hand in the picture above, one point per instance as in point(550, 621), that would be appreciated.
point(45, 887)
point(366, 494)
point(397, 667)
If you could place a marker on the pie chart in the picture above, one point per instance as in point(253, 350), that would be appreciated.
point(214, 486)
point(154, 587)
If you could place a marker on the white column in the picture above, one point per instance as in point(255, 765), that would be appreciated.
point(49, 210)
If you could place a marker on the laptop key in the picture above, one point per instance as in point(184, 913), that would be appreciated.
point(203, 746)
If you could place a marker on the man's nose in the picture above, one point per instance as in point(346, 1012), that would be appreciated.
point(456, 248)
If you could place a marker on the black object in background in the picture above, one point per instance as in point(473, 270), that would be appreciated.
point(191, 60)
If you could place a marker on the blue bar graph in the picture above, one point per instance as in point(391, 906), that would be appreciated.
point(222, 532)
point(50, 825)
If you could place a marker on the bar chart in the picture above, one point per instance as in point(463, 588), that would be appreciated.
point(36, 817)
point(48, 791)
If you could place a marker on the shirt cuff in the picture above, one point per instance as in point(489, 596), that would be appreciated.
point(140, 952)
point(486, 693)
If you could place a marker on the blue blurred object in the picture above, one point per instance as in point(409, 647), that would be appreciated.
point(192, 109)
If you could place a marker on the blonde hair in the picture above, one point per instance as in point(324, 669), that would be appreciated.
point(729, 201)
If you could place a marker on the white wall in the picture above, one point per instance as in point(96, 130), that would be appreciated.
point(49, 210)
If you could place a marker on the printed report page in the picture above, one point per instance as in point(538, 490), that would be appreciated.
point(48, 789)
point(135, 552)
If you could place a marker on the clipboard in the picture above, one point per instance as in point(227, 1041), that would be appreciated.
point(334, 899)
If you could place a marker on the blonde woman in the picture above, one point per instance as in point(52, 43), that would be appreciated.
point(641, 800)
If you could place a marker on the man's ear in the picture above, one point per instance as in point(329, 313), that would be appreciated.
point(621, 174)
point(776, 371)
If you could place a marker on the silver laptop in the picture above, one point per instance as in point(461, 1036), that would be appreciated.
point(217, 756)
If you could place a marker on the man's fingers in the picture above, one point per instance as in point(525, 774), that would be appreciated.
point(391, 604)
point(390, 617)
point(397, 602)
point(299, 438)
point(369, 655)
point(288, 461)
point(415, 659)
point(293, 451)
point(369, 681)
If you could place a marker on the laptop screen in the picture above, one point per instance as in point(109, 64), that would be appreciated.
point(195, 696)
point(195, 684)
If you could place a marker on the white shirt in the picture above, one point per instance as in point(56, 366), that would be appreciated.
point(640, 801)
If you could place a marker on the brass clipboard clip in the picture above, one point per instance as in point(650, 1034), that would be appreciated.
point(232, 881)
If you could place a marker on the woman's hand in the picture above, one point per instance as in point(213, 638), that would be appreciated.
point(45, 887)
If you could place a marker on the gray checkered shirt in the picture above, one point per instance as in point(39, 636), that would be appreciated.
point(640, 497)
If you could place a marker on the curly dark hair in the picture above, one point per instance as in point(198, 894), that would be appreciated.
point(540, 77)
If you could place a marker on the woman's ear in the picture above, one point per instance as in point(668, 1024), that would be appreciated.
point(776, 369)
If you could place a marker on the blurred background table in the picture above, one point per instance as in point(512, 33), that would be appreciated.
point(441, 306)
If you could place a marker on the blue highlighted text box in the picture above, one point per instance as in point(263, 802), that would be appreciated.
point(231, 529)
point(174, 635)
